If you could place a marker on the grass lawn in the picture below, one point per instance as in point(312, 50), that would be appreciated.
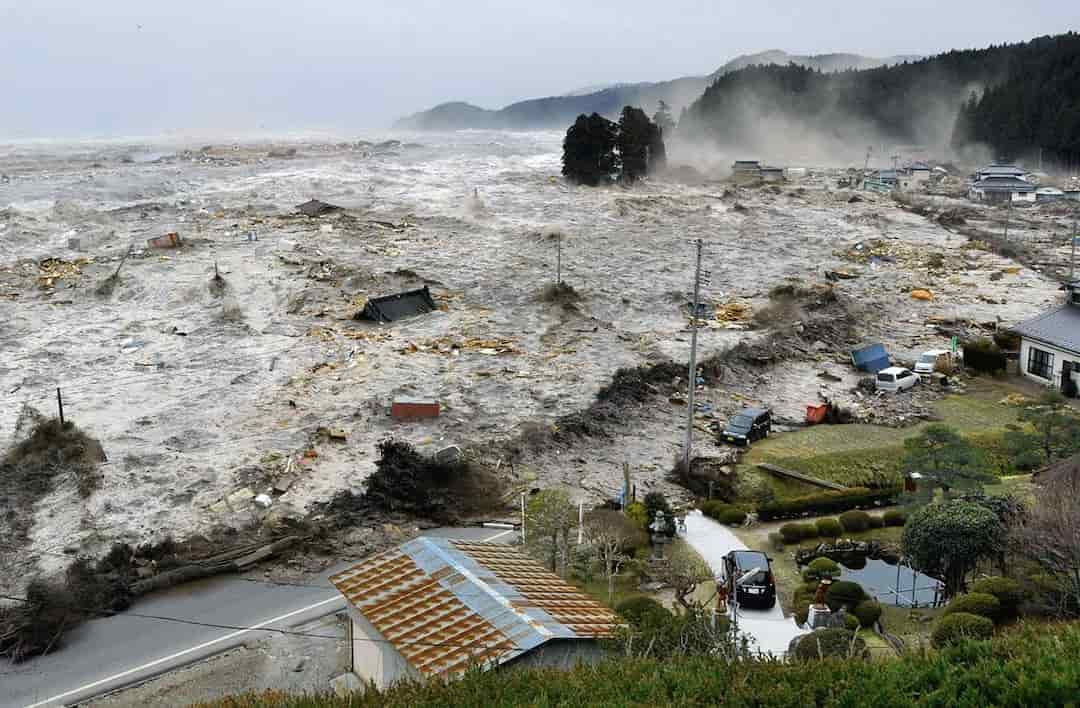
point(861, 454)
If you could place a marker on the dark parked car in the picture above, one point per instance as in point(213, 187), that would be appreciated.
point(747, 425)
point(758, 591)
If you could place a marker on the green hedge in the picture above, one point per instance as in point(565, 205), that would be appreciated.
point(868, 612)
point(820, 568)
point(831, 502)
point(793, 533)
point(855, 521)
point(829, 528)
point(975, 603)
point(1007, 591)
point(844, 593)
point(1038, 666)
point(953, 628)
point(724, 513)
point(832, 642)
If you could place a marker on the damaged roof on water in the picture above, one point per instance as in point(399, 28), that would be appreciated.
point(447, 605)
point(314, 208)
point(389, 308)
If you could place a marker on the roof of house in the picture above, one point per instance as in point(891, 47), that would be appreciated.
point(1062, 471)
point(1059, 327)
point(1001, 170)
point(920, 166)
point(1004, 184)
point(447, 605)
point(389, 308)
point(314, 208)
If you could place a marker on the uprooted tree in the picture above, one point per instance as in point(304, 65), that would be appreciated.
point(408, 481)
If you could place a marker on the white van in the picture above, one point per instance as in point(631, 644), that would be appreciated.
point(895, 379)
point(933, 360)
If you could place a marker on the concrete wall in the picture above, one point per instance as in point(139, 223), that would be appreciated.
point(376, 661)
point(1060, 356)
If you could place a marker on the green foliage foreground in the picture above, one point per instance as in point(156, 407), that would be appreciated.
point(1036, 666)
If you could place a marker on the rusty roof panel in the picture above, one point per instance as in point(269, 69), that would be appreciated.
point(449, 605)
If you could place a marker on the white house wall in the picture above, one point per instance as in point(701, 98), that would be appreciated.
point(377, 661)
point(1060, 356)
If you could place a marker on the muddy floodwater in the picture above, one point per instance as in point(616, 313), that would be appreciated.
point(205, 396)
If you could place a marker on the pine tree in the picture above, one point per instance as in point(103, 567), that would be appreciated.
point(589, 150)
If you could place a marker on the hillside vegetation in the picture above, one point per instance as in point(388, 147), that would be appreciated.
point(1036, 666)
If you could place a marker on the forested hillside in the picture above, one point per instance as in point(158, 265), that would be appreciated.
point(1026, 97)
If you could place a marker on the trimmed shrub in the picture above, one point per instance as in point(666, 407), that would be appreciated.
point(791, 533)
point(961, 625)
point(829, 528)
point(975, 603)
point(830, 502)
point(643, 611)
point(724, 513)
point(776, 541)
point(855, 521)
point(844, 593)
point(894, 517)
point(851, 622)
point(809, 530)
point(832, 642)
point(876, 522)
point(1007, 591)
point(868, 612)
point(820, 568)
point(984, 356)
point(637, 513)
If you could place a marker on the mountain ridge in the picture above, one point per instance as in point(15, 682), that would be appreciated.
point(559, 111)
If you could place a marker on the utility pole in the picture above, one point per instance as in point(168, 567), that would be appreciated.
point(692, 381)
point(558, 261)
point(1072, 256)
point(866, 165)
point(60, 406)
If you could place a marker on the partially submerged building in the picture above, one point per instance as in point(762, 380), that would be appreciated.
point(1050, 344)
point(390, 308)
point(746, 170)
point(999, 170)
point(1002, 190)
point(434, 608)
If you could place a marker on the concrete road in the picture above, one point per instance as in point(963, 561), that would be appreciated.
point(770, 632)
point(108, 653)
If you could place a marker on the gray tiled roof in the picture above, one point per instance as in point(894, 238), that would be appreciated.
point(1059, 327)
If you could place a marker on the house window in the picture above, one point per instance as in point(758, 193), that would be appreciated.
point(1040, 363)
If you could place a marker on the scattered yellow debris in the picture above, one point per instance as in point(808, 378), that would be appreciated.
point(368, 335)
point(1012, 270)
point(733, 312)
point(922, 294)
point(447, 346)
point(1014, 399)
point(51, 270)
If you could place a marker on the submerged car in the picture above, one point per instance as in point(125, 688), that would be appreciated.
point(758, 590)
point(747, 425)
point(895, 379)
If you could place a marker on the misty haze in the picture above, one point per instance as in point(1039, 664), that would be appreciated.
point(440, 354)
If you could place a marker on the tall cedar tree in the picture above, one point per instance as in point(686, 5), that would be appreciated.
point(589, 150)
point(637, 138)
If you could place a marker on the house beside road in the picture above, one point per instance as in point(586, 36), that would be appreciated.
point(1050, 344)
point(434, 608)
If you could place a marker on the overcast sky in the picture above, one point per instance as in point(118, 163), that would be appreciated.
point(139, 67)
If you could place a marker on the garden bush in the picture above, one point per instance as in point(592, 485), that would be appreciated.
point(851, 622)
point(975, 603)
point(960, 625)
point(1007, 591)
point(809, 530)
point(894, 517)
point(855, 521)
point(832, 642)
point(821, 568)
point(793, 533)
point(830, 502)
point(776, 541)
point(724, 513)
point(844, 593)
point(876, 522)
point(829, 528)
point(643, 611)
point(636, 512)
point(868, 612)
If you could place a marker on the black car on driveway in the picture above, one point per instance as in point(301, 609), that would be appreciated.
point(757, 591)
point(747, 425)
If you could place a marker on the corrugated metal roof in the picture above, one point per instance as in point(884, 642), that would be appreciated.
point(1059, 327)
point(1004, 184)
point(446, 605)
